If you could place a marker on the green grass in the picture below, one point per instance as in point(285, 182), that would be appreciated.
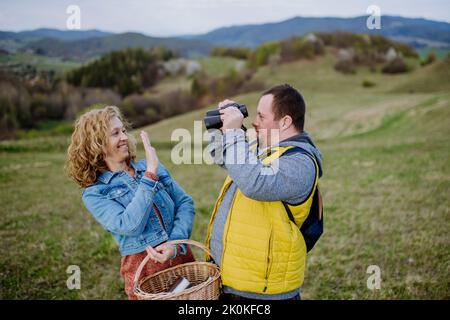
point(41, 63)
point(385, 187)
point(220, 66)
point(171, 84)
point(212, 66)
point(440, 52)
point(431, 78)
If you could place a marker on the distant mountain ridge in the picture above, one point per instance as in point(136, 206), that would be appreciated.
point(13, 41)
point(92, 47)
point(85, 44)
point(414, 31)
point(64, 35)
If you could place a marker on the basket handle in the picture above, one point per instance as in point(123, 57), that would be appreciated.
point(174, 242)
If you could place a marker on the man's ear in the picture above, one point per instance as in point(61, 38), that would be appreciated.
point(285, 122)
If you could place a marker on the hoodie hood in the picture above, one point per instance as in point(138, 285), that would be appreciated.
point(304, 141)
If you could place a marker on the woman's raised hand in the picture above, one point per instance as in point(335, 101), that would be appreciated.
point(150, 153)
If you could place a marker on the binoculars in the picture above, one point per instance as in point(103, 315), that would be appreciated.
point(212, 119)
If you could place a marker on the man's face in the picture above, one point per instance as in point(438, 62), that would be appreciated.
point(267, 128)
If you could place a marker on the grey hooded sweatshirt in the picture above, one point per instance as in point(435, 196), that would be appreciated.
point(290, 178)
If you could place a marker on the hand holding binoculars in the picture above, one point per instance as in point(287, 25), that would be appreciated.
point(212, 118)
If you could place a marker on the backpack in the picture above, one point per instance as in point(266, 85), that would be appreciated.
point(312, 227)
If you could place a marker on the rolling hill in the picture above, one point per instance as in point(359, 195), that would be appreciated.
point(417, 32)
point(93, 47)
point(434, 77)
point(64, 35)
point(82, 45)
point(12, 41)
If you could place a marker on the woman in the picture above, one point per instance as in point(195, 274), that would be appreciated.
point(138, 202)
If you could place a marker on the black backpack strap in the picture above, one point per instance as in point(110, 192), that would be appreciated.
point(312, 227)
point(316, 167)
point(289, 213)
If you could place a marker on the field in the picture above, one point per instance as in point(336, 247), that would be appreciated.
point(386, 189)
point(41, 63)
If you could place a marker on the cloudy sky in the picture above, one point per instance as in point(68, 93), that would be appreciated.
point(176, 17)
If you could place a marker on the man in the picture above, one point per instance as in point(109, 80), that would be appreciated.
point(260, 251)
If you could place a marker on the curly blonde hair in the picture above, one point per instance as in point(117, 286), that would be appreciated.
point(86, 152)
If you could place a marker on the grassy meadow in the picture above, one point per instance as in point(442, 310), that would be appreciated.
point(386, 190)
point(41, 63)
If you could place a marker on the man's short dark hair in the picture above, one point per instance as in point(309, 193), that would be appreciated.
point(288, 101)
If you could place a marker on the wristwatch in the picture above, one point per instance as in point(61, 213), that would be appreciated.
point(151, 175)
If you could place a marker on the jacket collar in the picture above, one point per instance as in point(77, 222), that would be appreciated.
point(107, 175)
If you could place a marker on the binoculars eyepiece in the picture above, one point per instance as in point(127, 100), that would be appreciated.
point(212, 119)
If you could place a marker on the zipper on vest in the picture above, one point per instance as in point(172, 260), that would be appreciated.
point(225, 235)
point(266, 277)
point(225, 239)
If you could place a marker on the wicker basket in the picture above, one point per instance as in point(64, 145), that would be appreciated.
point(155, 286)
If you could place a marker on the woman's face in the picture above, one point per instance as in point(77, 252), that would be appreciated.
point(117, 147)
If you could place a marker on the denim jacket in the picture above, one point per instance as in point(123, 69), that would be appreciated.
point(123, 205)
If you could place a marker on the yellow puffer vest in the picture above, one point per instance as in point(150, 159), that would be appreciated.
point(263, 251)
